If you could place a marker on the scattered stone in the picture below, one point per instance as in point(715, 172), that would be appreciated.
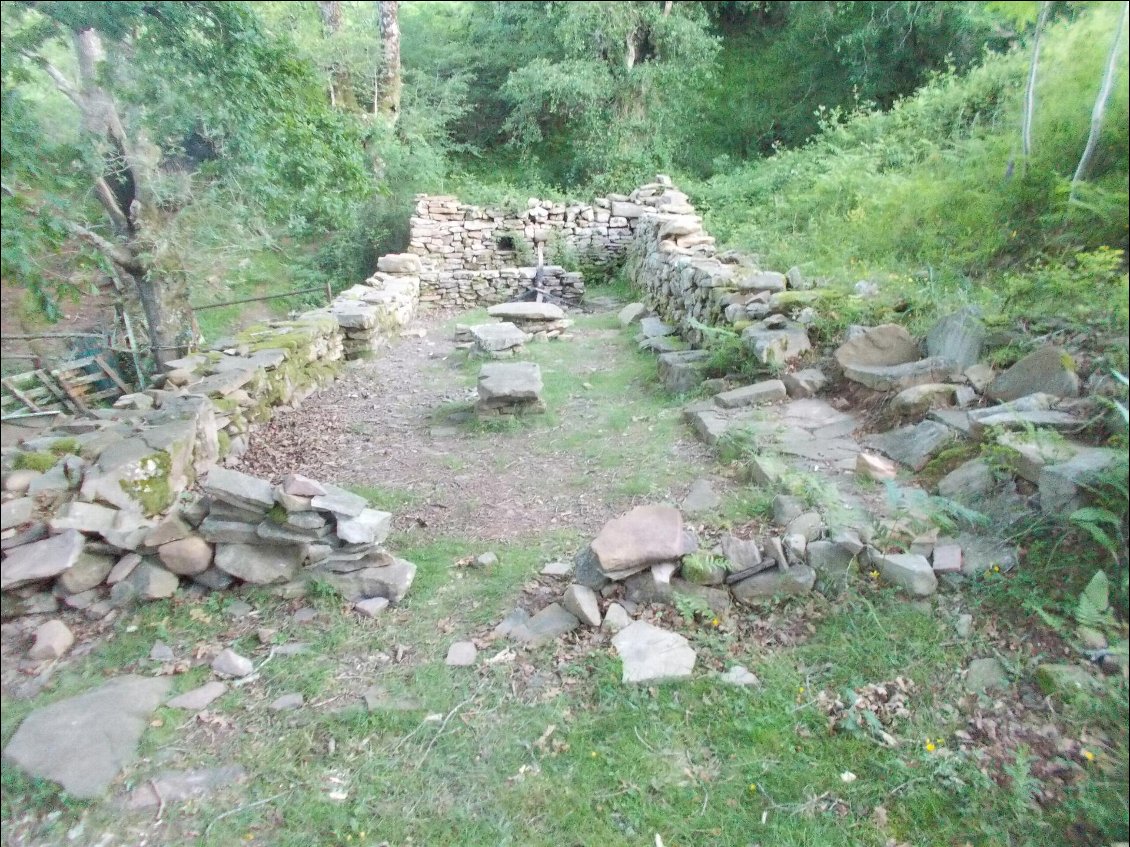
point(486, 560)
point(882, 346)
point(744, 557)
point(550, 622)
point(717, 599)
point(581, 601)
point(228, 532)
point(369, 527)
point(557, 569)
point(981, 554)
point(768, 391)
point(919, 399)
point(874, 467)
point(307, 614)
point(908, 571)
point(41, 560)
point(83, 742)
point(148, 582)
point(947, 559)
point(985, 675)
point(655, 328)
point(238, 609)
point(808, 525)
point(651, 654)
point(968, 483)
point(913, 445)
point(963, 626)
point(52, 640)
point(1049, 370)
point(701, 499)
point(899, 377)
point(829, 559)
point(1064, 681)
point(371, 607)
point(1063, 486)
point(18, 481)
point(514, 620)
point(774, 583)
point(230, 663)
point(804, 383)
point(980, 376)
point(616, 618)
point(287, 703)
point(652, 585)
point(461, 654)
point(161, 652)
point(739, 675)
point(632, 313)
point(958, 337)
point(180, 786)
point(186, 556)
point(644, 536)
point(390, 578)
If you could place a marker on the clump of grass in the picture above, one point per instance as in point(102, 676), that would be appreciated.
point(34, 460)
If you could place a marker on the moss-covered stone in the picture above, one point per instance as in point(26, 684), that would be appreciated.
point(63, 446)
point(151, 487)
point(38, 460)
point(277, 514)
point(224, 441)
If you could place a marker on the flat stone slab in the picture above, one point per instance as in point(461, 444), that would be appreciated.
point(644, 536)
point(651, 654)
point(369, 527)
point(908, 571)
point(769, 391)
point(495, 338)
point(262, 564)
point(507, 382)
point(776, 345)
point(41, 560)
point(240, 489)
point(655, 328)
point(880, 346)
point(198, 698)
point(179, 786)
point(549, 623)
point(913, 445)
point(526, 312)
point(83, 742)
point(900, 377)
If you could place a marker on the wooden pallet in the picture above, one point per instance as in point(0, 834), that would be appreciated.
point(71, 388)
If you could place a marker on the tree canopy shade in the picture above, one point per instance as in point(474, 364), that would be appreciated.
point(170, 100)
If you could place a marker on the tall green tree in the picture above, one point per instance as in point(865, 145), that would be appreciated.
point(147, 81)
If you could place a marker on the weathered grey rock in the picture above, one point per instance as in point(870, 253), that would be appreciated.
point(41, 560)
point(514, 620)
point(89, 518)
point(461, 654)
point(580, 601)
point(88, 571)
point(123, 568)
point(883, 346)
point(198, 698)
point(239, 489)
point(653, 327)
point(708, 424)
point(339, 501)
point(161, 652)
point(180, 786)
point(229, 532)
point(230, 663)
point(1065, 681)
point(83, 742)
point(486, 560)
point(172, 528)
point(502, 383)
point(899, 377)
point(979, 424)
point(586, 569)
point(804, 383)
point(549, 623)
point(1049, 370)
point(769, 391)
point(946, 559)
point(527, 311)
point(371, 606)
point(985, 675)
point(908, 571)
point(919, 399)
point(1063, 486)
point(52, 640)
point(701, 499)
point(616, 618)
point(968, 484)
point(262, 564)
point(776, 345)
point(651, 654)
point(980, 376)
point(957, 337)
point(1028, 453)
point(631, 314)
point(877, 468)
point(828, 558)
point(149, 582)
point(558, 569)
point(273, 533)
point(287, 702)
point(18, 481)
point(684, 370)
point(644, 536)
point(981, 553)
point(400, 263)
point(384, 576)
point(717, 599)
point(663, 344)
point(15, 513)
point(768, 584)
point(651, 585)
point(808, 525)
point(369, 527)
point(739, 675)
point(761, 281)
point(298, 485)
point(496, 338)
point(186, 556)
point(913, 445)
point(744, 556)
point(306, 520)
point(797, 281)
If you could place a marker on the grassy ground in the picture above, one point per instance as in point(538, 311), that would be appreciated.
point(546, 747)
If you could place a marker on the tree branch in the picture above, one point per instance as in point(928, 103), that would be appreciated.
point(114, 252)
point(110, 204)
point(64, 85)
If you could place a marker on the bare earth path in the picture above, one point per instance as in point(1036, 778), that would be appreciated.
point(400, 425)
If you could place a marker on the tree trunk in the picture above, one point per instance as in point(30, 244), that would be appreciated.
point(341, 84)
point(386, 97)
point(1101, 101)
point(123, 184)
point(1030, 92)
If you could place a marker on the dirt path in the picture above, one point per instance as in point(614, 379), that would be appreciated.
point(401, 426)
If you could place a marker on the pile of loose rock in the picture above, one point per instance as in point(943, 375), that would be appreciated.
point(94, 557)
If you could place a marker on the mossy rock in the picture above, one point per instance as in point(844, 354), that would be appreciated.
point(63, 446)
point(151, 489)
point(1065, 681)
point(38, 460)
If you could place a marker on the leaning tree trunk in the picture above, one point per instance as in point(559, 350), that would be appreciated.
point(1099, 112)
point(386, 97)
point(341, 83)
point(123, 177)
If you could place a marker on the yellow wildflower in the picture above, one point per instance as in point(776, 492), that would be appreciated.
point(1088, 755)
point(930, 746)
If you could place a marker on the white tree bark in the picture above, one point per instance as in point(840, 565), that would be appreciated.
point(386, 96)
point(1099, 112)
point(1030, 92)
